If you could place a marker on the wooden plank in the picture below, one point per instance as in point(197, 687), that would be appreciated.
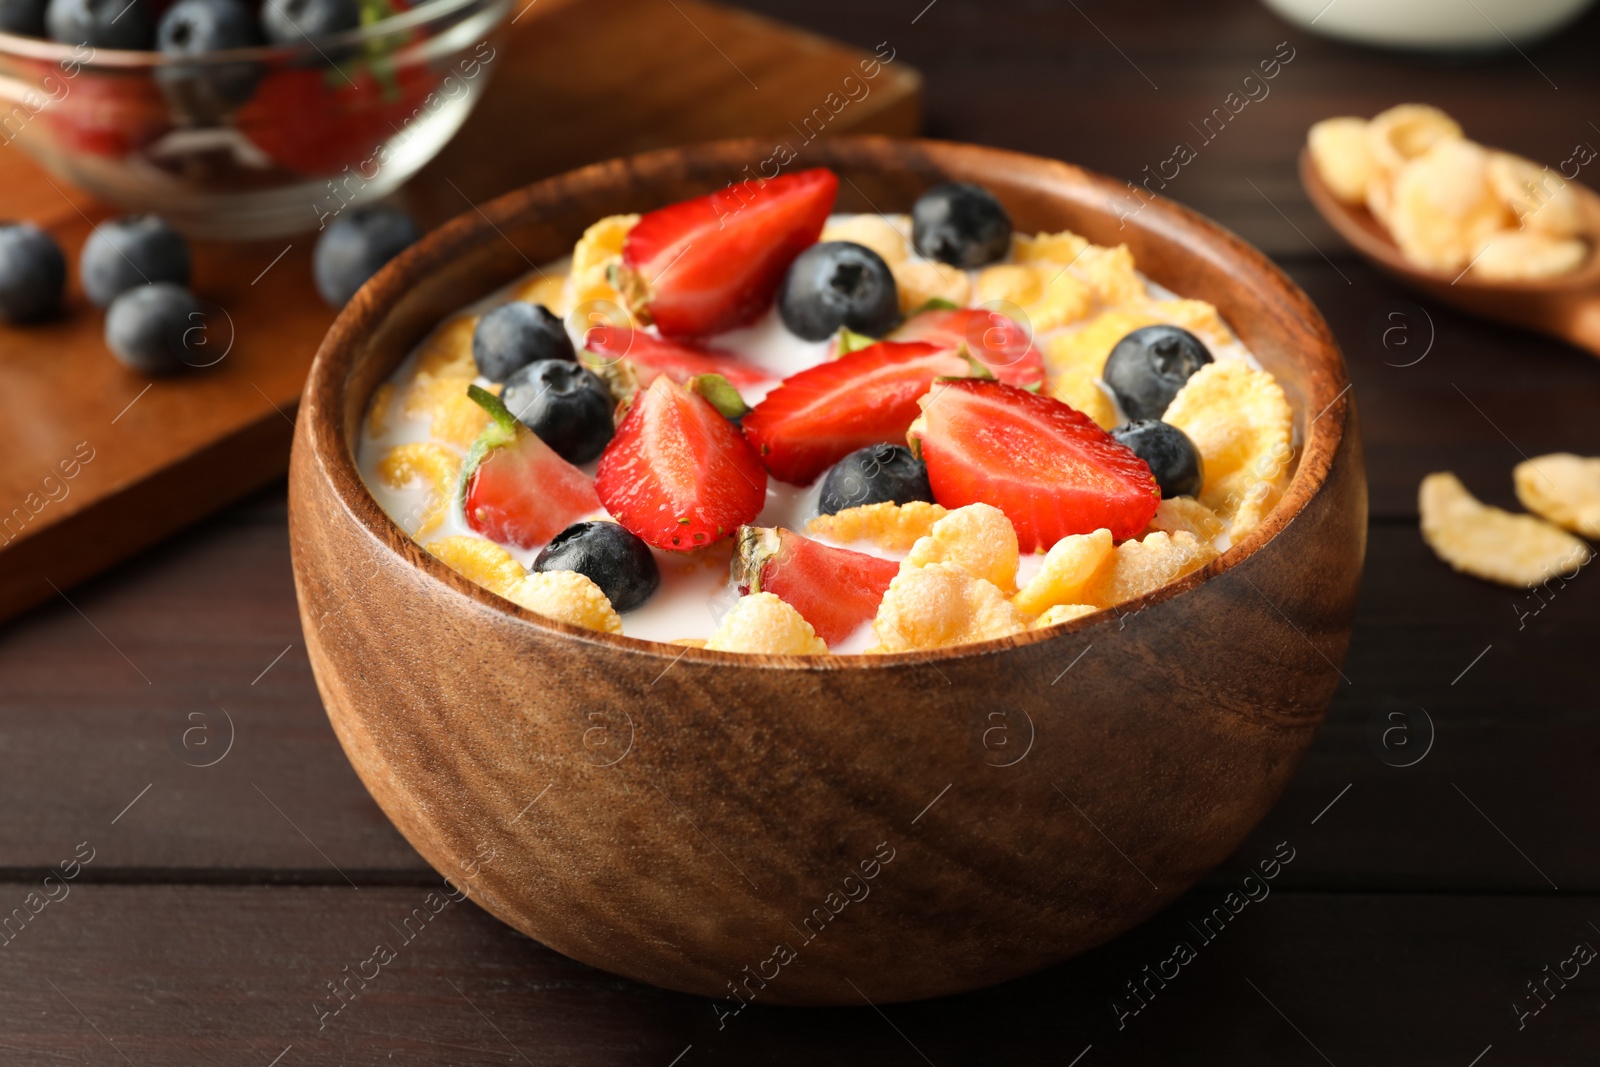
point(167, 452)
point(181, 975)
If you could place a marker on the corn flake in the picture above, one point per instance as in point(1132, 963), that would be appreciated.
point(892, 527)
point(434, 464)
point(1516, 550)
point(447, 353)
point(479, 560)
point(1342, 155)
point(1063, 613)
point(1522, 255)
point(940, 605)
point(547, 289)
point(1538, 196)
point(1079, 389)
point(1088, 348)
point(1110, 273)
point(1406, 131)
point(875, 232)
point(1068, 567)
point(453, 416)
point(1241, 423)
point(566, 596)
point(921, 280)
point(763, 623)
point(1196, 316)
point(1185, 514)
point(378, 410)
point(1443, 206)
point(1564, 489)
point(1059, 248)
point(977, 538)
point(1135, 568)
point(593, 256)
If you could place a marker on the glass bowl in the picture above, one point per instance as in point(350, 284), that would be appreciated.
point(253, 142)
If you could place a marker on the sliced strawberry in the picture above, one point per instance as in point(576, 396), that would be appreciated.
point(834, 589)
point(713, 263)
point(991, 338)
point(866, 397)
point(516, 490)
point(651, 356)
point(677, 474)
point(1048, 467)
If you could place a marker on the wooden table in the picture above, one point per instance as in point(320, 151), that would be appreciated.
point(220, 900)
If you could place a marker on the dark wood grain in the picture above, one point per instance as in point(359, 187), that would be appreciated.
point(1408, 981)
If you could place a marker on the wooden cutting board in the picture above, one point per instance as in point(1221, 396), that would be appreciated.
point(97, 462)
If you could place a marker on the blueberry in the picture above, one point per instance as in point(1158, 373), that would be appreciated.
point(133, 250)
point(1148, 367)
point(516, 334)
point(565, 404)
point(294, 21)
point(23, 17)
point(148, 327)
point(1172, 457)
point(205, 93)
point(838, 283)
point(961, 224)
point(101, 23)
point(874, 475)
point(32, 273)
point(609, 556)
point(356, 247)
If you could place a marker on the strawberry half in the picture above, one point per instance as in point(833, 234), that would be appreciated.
point(677, 474)
point(866, 397)
point(994, 340)
point(1048, 467)
point(651, 356)
point(834, 589)
point(515, 489)
point(713, 263)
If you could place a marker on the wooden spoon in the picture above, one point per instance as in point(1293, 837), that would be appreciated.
point(1566, 306)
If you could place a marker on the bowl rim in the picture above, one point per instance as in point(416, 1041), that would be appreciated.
point(43, 48)
point(323, 401)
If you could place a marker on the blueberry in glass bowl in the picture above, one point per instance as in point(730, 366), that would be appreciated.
point(233, 130)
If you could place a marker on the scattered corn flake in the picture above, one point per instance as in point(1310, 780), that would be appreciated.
point(547, 289)
point(1563, 488)
point(921, 280)
point(1522, 255)
point(1539, 197)
point(1015, 283)
point(940, 605)
point(1516, 550)
point(1080, 390)
point(977, 538)
point(892, 527)
point(1343, 157)
point(875, 232)
point(479, 560)
point(432, 463)
point(566, 596)
point(1241, 423)
point(378, 410)
point(1406, 131)
point(1060, 248)
point(1068, 567)
point(447, 353)
point(1063, 613)
point(1135, 568)
point(760, 622)
point(1048, 296)
point(1088, 348)
point(1443, 207)
point(1185, 514)
point(1110, 273)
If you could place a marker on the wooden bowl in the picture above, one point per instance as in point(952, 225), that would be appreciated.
point(827, 829)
